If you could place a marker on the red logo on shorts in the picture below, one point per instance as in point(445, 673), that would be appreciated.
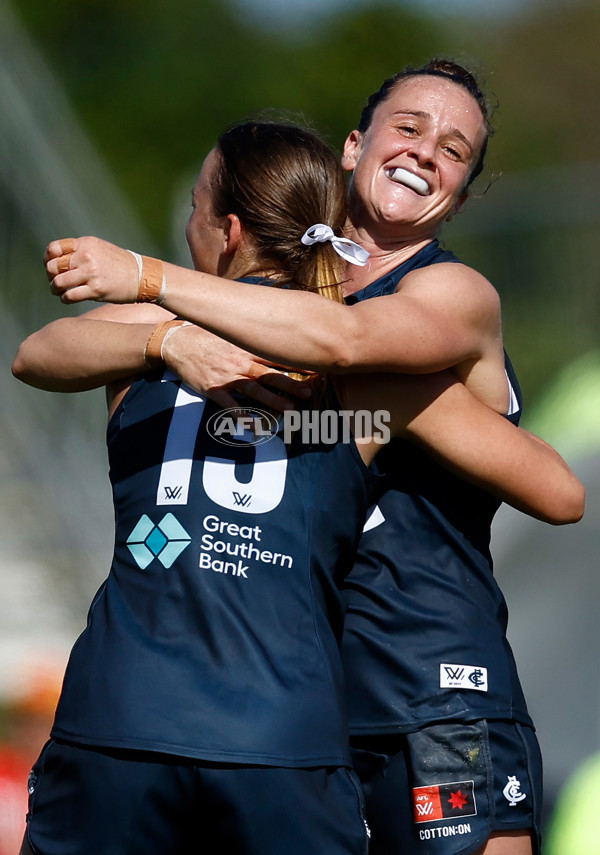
point(444, 801)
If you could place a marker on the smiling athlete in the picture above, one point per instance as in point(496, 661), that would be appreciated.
point(443, 740)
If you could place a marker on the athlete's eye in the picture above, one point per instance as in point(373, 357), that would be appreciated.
point(453, 152)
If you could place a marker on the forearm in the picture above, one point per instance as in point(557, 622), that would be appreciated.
point(289, 327)
point(391, 333)
point(77, 354)
point(399, 332)
point(543, 487)
point(490, 452)
point(110, 344)
point(565, 493)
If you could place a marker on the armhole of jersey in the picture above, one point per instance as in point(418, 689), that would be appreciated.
point(513, 403)
point(368, 470)
point(114, 422)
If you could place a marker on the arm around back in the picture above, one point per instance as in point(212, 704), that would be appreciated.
point(439, 414)
point(487, 450)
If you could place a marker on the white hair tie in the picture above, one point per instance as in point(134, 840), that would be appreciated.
point(346, 248)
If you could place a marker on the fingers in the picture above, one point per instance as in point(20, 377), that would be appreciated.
point(302, 389)
point(277, 377)
point(56, 248)
point(257, 370)
point(69, 293)
point(61, 275)
point(261, 395)
point(88, 268)
point(57, 259)
point(64, 263)
point(222, 398)
point(68, 248)
point(264, 379)
point(253, 391)
point(67, 245)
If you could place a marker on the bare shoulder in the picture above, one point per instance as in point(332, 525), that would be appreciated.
point(449, 275)
point(453, 287)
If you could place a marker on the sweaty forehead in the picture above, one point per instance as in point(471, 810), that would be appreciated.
point(427, 92)
point(442, 103)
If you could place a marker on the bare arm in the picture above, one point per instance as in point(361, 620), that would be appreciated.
point(514, 465)
point(483, 448)
point(446, 320)
point(480, 446)
point(75, 354)
point(107, 345)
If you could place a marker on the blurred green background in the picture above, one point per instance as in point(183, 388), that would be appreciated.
point(106, 112)
point(153, 84)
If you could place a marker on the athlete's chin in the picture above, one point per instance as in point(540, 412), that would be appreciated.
point(400, 208)
point(401, 221)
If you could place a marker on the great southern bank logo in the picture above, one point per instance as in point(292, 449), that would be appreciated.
point(165, 541)
point(250, 425)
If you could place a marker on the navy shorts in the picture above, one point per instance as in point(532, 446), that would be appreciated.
point(444, 789)
point(85, 800)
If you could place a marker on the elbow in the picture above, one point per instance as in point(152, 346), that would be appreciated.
point(343, 360)
point(26, 368)
point(346, 343)
point(332, 357)
point(342, 353)
point(576, 504)
point(19, 366)
point(571, 507)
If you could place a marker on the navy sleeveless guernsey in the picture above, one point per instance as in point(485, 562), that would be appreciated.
point(425, 635)
point(216, 634)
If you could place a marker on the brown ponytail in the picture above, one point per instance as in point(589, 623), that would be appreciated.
point(280, 179)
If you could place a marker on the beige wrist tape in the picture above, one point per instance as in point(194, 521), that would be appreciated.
point(152, 286)
point(153, 350)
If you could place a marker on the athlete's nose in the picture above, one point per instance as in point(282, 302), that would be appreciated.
point(423, 150)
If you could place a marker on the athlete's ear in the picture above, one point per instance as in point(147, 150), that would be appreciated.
point(464, 195)
point(232, 234)
point(352, 149)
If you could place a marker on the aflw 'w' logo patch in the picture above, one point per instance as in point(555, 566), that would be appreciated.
point(241, 499)
point(173, 493)
point(463, 677)
point(444, 801)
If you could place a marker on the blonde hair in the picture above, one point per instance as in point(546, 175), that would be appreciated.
point(280, 179)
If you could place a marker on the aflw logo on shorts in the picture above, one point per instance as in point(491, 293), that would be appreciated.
point(444, 801)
